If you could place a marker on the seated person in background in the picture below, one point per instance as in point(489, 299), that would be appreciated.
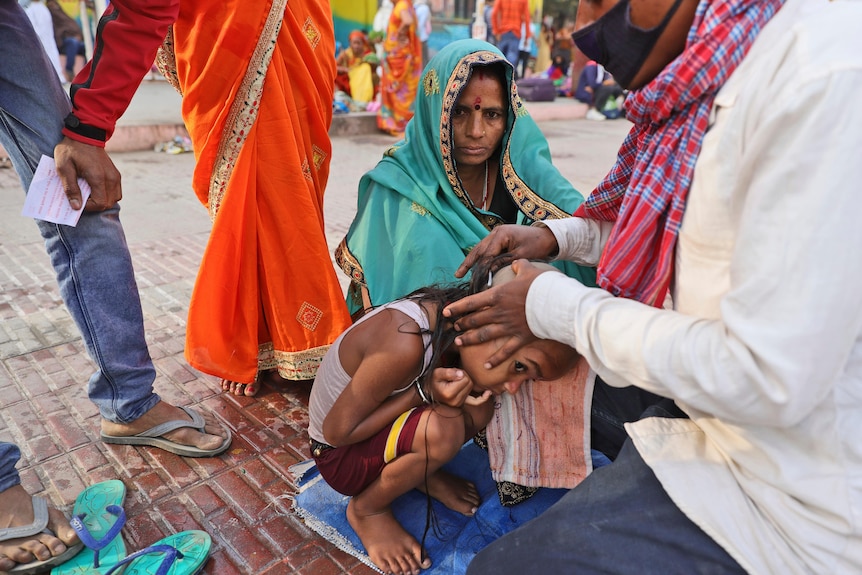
point(598, 89)
point(394, 401)
point(68, 35)
point(558, 71)
point(472, 159)
point(357, 69)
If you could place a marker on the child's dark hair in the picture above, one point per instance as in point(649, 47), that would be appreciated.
point(442, 338)
point(444, 333)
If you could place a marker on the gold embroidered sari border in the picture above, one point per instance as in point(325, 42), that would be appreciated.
point(243, 112)
point(292, 365)
point(348, 263)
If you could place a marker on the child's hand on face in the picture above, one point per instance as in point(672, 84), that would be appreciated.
point(451, 386)
point(478, 399)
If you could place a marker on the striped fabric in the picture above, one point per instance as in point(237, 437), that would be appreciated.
point(391, 451)
point(540, 436)
point(645, 192)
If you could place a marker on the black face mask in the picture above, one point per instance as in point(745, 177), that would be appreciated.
point(615, 43)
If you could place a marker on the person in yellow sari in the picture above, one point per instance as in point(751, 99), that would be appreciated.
point(357, 68)
point(257, 80)
point(544, 42)
point(402, 67)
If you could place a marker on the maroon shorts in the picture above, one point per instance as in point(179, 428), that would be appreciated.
point(351, 468)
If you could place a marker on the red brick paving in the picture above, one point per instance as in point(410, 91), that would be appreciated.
point(241, 498)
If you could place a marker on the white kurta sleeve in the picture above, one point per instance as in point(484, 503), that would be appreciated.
point(793, 309)
point(580, 240)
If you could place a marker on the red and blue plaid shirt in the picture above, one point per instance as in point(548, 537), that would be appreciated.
point(646, 190)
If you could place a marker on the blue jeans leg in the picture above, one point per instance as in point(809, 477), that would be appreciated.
point(508, 45)
point(71, 48)
point(619, 520)
point(9, 456)
point(613, 407)
point(92, 261)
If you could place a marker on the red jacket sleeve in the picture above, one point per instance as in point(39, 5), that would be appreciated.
point(127, 38)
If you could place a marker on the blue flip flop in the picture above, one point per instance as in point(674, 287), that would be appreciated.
point(183, 553)
point(97, 518)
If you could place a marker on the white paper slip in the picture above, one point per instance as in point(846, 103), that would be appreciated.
point(46, 199)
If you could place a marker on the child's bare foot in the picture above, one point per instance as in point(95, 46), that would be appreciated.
point(16, 510)
point(240, 389)
point(391, 548)
point(213, 437)
point(452, 491)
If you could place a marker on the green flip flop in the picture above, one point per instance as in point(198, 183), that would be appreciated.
point(98, 518)
point(183, 553)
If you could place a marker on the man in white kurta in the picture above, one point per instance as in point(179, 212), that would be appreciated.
point(762, 348)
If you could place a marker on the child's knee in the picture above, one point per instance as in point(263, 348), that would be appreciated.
point(444, 432)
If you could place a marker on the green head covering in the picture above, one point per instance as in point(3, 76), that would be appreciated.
point(415, 222)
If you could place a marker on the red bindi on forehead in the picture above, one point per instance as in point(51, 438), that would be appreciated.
point(477, 103)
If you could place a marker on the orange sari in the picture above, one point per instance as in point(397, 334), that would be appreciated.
point(257, 84)
point(402, 68)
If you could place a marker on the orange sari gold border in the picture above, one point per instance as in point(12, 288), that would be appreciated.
point(243, 112)
point(298, 365)
point(166, 61)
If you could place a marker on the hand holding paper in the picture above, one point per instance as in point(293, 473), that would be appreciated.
point(46, 200)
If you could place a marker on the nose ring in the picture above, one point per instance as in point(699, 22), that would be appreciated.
point(483, 132)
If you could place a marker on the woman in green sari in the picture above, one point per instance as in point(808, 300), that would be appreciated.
point(472, 158)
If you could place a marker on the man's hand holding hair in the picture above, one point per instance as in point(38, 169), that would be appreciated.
point(527, 242)
point(498, 312)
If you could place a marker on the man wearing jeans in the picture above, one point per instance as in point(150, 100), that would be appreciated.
point(91, 260)
point(506, 20)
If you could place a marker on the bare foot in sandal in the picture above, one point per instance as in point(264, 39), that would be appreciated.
point(16, 510)
point(237, 388)
point(213, 440)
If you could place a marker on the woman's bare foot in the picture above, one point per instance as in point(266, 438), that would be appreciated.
point(391, 548)
point(16, 510)
point(213, 438)
point(452, 491)
point(237, 388)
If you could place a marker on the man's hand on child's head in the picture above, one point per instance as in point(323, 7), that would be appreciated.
point(496, 313)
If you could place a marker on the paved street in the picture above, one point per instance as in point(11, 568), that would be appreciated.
point(243, 498)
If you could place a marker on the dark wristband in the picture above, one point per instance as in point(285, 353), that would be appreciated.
point(73, 124)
